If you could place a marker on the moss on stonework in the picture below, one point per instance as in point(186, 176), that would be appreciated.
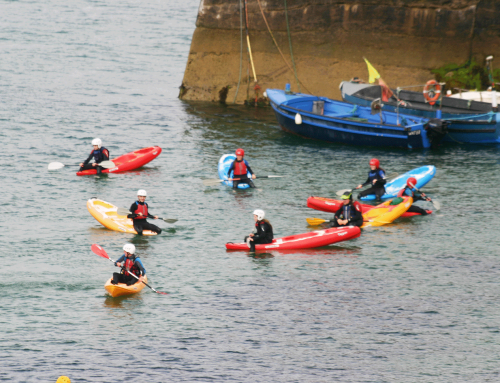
point(470, 75)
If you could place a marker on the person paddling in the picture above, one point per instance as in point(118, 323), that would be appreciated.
point(240, 168)
point(409, 190)
point(349, 213)
point(376, 178)
point(140, 212)
point(263, 232)
point(129, 263)
point(99, 154)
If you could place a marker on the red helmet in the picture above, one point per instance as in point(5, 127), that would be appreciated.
point(375, 162)
point(412, 181)
point(240, 152)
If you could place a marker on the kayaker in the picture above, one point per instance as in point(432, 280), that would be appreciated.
point(409, 190)
point(376, 178)
point(99, 154)
point(240, 168)
point(263, 232)
point(129, 264)
point(349, 213)
point(140, 211)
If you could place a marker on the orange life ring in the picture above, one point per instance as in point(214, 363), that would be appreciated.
point(432, 91)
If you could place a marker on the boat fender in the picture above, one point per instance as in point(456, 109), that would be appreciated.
point(432, 91)
point(298, 119)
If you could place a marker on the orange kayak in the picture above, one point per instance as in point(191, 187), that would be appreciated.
point(386, 213)
point(122, 289)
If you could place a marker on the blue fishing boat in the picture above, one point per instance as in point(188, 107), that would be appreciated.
point(469, 121)
point(336, 121)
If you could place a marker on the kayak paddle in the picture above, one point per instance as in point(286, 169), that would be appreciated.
point(216, 181)
point(98, 250)
point(123, 211)
point(59, 165)
point(340, 192)
point(316, 221)
point(436, 204)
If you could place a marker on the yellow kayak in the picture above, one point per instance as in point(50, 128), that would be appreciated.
point(122, 289)
point(386, 213)
point(105, 213)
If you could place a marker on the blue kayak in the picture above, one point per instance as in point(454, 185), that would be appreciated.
point(423, 175)
point(224, 163)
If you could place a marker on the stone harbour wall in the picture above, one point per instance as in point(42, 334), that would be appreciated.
point(402, 39)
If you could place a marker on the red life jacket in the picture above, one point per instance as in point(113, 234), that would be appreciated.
point(141, 209)
point(240, 168)
point(402, 192)
point(130, 266)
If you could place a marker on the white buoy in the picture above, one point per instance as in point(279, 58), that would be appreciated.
point(264, 94)
point(494, 103)
point(298, 119)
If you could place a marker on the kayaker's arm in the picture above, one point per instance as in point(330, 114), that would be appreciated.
point(250, 170)
point(119, 260)
point(87, 160)
point(248, 167)
point(142, 270)
point(132, 209)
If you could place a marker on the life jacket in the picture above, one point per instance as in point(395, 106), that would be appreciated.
point(100, 155)
point(130, 266)
point(347, 211)
point(406, 191)
point(374, 174)
point(141, 209)
point(240, 168)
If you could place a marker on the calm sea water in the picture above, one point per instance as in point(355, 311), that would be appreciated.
point(415, 301)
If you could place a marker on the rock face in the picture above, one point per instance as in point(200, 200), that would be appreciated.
point(403, 39)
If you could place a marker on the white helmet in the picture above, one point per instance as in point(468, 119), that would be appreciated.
point(260, 214)
point(97, 141)
point(142, 193)
point(129, 248)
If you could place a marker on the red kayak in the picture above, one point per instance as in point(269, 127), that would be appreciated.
point(306, 240)
point(332, 205)
point(129, 161)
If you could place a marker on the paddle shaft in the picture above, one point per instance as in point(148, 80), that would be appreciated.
point(427, 198)
point(59, 165)
point(123, 211)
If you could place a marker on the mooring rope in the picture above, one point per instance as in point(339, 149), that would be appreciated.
point(279, 50)
point(241, 51)
point(291, 50)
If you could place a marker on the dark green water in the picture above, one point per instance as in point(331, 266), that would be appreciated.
point(415, 301)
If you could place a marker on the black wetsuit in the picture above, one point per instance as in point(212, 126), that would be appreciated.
point(141, 224)
point(263, 234)
point(377, 188)
point(349, 212)
point(243, 178)
point(99, 155)
point(416, 197)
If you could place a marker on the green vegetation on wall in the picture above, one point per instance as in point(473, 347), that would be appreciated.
point(470, 75)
